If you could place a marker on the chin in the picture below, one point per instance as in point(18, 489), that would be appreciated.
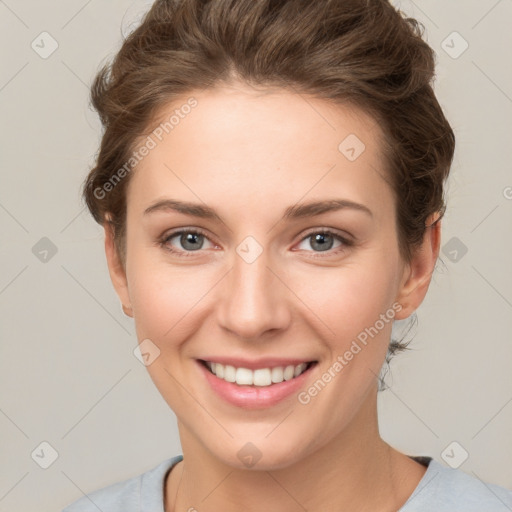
point(260, 453)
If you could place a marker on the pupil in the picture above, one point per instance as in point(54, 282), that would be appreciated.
point(190, 238)
point(320, 239)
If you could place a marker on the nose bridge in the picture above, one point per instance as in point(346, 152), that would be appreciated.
point(253, 299)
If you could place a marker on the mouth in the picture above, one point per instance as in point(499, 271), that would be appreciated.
point(259, 377)
point(261, 387)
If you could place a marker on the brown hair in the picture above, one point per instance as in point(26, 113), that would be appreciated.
point(364, 53)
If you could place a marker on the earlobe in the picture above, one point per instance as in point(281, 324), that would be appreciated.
point(418, 273)
point(127, 310)
point(116, 269)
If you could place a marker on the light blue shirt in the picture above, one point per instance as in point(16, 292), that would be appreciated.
point(441, 489)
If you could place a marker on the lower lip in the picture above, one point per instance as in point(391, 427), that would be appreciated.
point(254, 397)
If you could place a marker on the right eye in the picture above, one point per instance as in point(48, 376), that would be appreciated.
point(191, 240)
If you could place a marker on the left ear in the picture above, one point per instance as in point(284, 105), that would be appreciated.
point(418, 273)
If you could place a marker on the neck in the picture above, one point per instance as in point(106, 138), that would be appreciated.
point(354, 471)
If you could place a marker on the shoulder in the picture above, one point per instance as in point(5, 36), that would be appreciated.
point(128, 495)
point(452, 490)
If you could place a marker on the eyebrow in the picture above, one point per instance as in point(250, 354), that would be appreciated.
point(310, 209)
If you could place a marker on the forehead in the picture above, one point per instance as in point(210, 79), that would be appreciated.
point(273, 146)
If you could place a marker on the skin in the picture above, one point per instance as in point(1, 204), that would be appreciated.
point(249, 156)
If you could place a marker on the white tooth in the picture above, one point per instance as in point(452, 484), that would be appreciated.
point(229, 373)
point(288, 372)
point(219, 371)
point(262, 377)
point(244, 376)
point(299, 369)
point(259, 377)
point(277, 374)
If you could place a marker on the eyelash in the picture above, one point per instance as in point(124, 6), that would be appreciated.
point(163, 242)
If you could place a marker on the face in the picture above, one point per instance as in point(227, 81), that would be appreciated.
point(252, 275)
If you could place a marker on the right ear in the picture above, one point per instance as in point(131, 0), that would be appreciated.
point(116, 268)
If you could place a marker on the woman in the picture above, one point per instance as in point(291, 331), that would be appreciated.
point(270, 181)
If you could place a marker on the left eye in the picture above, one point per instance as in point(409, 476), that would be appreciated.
point(323, 241)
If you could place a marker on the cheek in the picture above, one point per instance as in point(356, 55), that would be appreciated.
point(164, 299)
point(350, 298)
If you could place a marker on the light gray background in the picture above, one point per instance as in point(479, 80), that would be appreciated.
point(67, 369)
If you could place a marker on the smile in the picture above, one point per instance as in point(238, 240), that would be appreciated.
point(257, 377)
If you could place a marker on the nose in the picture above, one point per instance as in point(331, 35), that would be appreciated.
point(254, 299)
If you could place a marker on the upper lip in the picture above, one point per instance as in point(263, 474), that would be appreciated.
point(254, 364)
